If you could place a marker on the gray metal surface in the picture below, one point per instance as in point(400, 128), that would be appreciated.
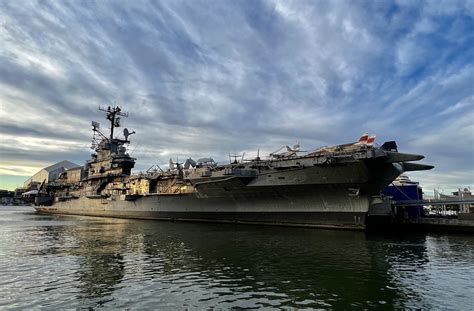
point(333, 186)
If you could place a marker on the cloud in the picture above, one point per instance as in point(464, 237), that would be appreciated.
point(205, 79)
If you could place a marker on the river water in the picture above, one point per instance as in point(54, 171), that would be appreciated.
point(58, 262)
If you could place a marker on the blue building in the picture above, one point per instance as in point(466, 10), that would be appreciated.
point(403, 189)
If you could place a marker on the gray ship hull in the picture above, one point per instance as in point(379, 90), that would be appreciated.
point(335, 187)
point(313, 206)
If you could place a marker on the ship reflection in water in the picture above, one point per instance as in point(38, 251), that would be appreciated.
point(81, 262)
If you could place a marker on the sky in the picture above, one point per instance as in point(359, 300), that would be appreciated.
point(205, 78)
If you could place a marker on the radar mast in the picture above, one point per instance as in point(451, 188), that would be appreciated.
point(113, 115)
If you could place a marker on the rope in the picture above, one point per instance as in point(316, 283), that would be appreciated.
point(136, 145)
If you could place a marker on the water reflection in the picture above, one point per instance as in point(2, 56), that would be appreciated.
point(431, 270)
point(229, 265)
point(148, 264)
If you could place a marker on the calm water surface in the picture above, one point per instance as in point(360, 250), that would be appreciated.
point(60, 262)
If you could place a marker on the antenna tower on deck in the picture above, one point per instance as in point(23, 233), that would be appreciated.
point(113, 115)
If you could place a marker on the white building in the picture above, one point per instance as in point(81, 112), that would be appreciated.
point(50, 173)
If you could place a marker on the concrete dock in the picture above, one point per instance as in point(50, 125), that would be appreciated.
point(437, 224)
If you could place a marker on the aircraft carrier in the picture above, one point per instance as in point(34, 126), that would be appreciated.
point(334, 187)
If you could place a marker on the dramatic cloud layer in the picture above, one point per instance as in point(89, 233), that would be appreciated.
point(204, 78)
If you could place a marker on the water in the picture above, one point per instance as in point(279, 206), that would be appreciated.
point(58, 262)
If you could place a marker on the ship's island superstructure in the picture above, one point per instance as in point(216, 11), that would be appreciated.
point(335, 186)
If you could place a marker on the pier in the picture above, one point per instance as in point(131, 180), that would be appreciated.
point(462, 222)
point(431, 202)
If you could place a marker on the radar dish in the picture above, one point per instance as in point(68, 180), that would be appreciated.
point(127, 133)
point(95, 125)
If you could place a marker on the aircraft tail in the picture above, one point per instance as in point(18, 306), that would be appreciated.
point(363, 138)
point(371, 140)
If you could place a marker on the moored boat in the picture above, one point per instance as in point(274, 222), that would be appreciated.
point(337, 187)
